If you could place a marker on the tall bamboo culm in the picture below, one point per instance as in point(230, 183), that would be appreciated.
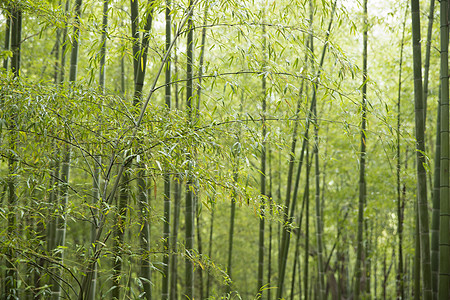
point(10, 281)
point(444, 232)
point(362, 166)
point(190, 209)
point(400, 205)
point(420, 154)
point(263, 175)
point(167, 182)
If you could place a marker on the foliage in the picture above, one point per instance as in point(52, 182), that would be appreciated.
point(226, 139)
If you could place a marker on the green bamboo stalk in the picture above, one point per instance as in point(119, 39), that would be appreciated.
point(174, 259)
point(297, 243)
point(56, 53)
point(362, 165)
point(140, 58)
point(50, 234)
point(53, 197)
point(144, 236)
point(64, 46)
point(436, 209)
point(196, 120)
point(211, 231)
point(75, 43)
point(16, 34)
point(417, 282)
point(420, 154)
point(134, 14)
point(103, 46)
point(319, 224)
point(90, 294)
point(444, 230)
point(190, 209)
point(236, 151)
point(306, 264)
point(10, 280)
point(261, 249)
point(426, 70)
point(400, 273)
point(271, 206)
point(288, 218)
point(176, 216)
point(7, 37)
point(202, 57)
point(140, 51)
point(167, 196)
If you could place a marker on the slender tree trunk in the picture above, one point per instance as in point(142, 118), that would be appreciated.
point(436, 209)
point(297, 243)
point(270, 248)
point(261, 249)
point(319, 229)
point(384, 275)
point(407, 276)
point(196, 120)
point(56, 53)
point(427, 59)
point(444, 230)
point(211, 230)
point(140, 57)
point(176, 215)
point(62, 67)
point(101, 80)
point(420, 153)
point(417, 283)
point(232, 217)
point(306, 271)
point(167, 196)
point(53, 197)
point(92, 274)
point(400, 274)
point(190, 209)
point(144, 236)
point(134, 14)
point(140, 51)
point(7, 37)
point(49, 233)
point(75, 43)
point(362, 167)
point(368, 265)
point(202, 57)
point(16, 36)
point(236, 156)
point(10, 283)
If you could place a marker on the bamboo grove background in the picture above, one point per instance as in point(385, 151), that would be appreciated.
point(208, 149)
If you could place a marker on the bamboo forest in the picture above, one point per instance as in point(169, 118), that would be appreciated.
point(224, 149)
